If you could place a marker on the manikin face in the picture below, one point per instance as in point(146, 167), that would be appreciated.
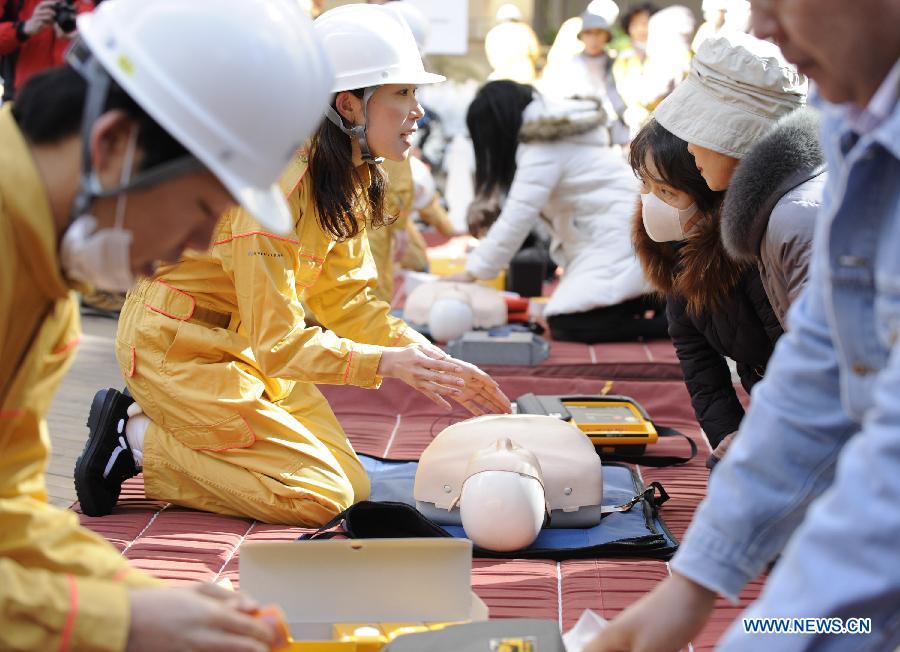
point(392, 114)
point(164, 219)
point(595, 41)
point(847, 48)
point(716, 168)
point(652, 183)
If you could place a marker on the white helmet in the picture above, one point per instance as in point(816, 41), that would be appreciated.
point(416, 19)
point(369, 46)
point(239, 83)
point(502, 504)
point(608, 9)
point(508, 12)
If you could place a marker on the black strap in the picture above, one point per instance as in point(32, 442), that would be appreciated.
point(657, 461)
point(648, 495)
point(6, 389)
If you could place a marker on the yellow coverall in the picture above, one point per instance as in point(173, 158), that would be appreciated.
point(416, 255)
point(628, 72)
point(216, 351)
point(398, 204)
point(382, 240)
point(61, 586)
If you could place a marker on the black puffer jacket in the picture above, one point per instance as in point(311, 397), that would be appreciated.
point(717, 308)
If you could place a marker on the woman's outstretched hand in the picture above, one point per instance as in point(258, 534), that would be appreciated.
point(440, 377)
point(481, 394)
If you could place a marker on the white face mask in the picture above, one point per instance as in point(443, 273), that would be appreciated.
point(101, 258)
point(662, 222)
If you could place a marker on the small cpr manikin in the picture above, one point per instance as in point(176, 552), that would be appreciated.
point(450, 310)
point(501, 476)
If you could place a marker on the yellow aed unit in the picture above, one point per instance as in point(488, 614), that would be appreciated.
point(361, 637)
point(615, 424)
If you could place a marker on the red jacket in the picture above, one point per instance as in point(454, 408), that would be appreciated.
point(41, 51)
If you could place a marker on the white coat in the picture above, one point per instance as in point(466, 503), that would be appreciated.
point(584, 192)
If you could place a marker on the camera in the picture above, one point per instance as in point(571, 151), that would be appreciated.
point(65, 16)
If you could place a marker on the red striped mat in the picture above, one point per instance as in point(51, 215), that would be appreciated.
point(184, 546)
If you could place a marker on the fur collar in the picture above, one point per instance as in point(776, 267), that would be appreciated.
point(547, 120)
point(788, 155)
point(697, 269)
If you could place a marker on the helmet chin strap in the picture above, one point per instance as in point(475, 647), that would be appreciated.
point(358, 131)
point(98, 87)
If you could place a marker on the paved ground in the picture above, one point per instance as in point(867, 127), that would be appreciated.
point(95, 367)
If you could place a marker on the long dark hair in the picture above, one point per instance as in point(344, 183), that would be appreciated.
point(339, 191)
point(674, 164)
point(494, 120)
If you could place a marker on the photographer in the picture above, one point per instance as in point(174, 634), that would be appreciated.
point(34, 35)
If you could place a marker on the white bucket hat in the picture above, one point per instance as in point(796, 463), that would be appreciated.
point(738, 87)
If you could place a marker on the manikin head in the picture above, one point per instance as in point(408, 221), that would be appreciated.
point(451, 315)
point(502, 503)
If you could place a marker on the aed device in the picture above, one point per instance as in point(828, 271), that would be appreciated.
point(361, 637)
point(614, 424)
point(351, 637)
point(390, 636)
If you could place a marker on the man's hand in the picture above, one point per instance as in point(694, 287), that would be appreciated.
point(41, 18)
point(201, 618)
point(666, 619)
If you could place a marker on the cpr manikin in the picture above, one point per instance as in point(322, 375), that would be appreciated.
point(499, 476)
point(442, 302)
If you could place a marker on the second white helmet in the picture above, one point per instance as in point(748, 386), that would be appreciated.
point(370, 45)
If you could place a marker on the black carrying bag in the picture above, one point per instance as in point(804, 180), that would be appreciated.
point(394, 520)
point(11, 9)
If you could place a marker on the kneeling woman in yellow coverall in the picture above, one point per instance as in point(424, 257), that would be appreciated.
point(216, 350)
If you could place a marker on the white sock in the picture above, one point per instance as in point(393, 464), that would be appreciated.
point(135, 430)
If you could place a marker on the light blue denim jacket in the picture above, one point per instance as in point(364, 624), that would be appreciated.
point(815, 472)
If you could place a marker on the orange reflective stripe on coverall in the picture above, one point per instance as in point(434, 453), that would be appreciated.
point(61, 586)
point(238, 426)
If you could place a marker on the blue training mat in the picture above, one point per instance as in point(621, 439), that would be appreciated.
point(638, 532)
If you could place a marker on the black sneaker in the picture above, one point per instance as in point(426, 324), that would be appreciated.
point(106, 461)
